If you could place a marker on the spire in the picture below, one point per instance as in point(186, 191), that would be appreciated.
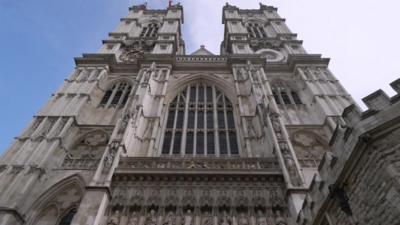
point(169, 3)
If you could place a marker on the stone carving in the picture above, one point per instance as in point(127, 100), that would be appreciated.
point(201, 163)
point(251, 131)
point(87, 152)
point(241, 75)
point(243, 219)
point(151, 218)
point(279, 218)
point(114, 218)
point(134, 218)
point(264, 111)
point(170, 219)
point(96, 138)
point(225, 220)
point(134, 50)
point(124, 123)
point(207, 219)
point(309, 145)
point(149, 72)
point(110, 155)
point(188, 219)
point(260, 46)
point(250, 68)
point(276, 125)
point(275, 198)
point(260, 218)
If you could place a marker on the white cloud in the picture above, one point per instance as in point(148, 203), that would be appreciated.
point(360, 36)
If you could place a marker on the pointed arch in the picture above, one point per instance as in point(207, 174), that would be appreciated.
point(256, 28)
point(285, 92)
point(200, 118)
point(178, 85)
point(57, 200)
point(116, 93)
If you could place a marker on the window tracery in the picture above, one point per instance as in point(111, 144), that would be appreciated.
point(150, 31)
point(200, 122)
point(256, 30)
point(285, 95)
point(117, 95)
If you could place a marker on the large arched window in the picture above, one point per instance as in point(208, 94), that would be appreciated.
point(200, 122)
point(67, 219)
point(117, 95)
point(150, 31)
point(256, 30)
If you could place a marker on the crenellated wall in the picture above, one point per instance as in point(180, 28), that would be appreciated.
point(359, 180)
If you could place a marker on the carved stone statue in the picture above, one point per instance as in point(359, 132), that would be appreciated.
point(240, 75)
point(169, 219)
point(151, 218)
point(134, 219)
point(114, 218)
point(250, 68)
point(124, 123)
point(250, 127)
point(207, 219)
point(243, 220)
point(260, 219)
point(276, 126)
point(134, 114)
point(188, 219)
point(150, 72)
point(279, 218)
point(225, 220)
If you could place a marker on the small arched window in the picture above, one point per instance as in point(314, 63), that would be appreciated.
point(256, 30)
point(67, 219)
point(200, 122)
point(150, 31)
point(117, 95)
point(283, 94)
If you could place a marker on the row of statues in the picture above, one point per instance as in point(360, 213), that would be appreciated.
point(188, 218)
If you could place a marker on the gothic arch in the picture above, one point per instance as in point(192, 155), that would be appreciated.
point(57, 200)
point(147, 21)
point(255, 20)
point(116, 92)
point(110, 82)
point(285, 92)
point(200, 124)
point(180, 84)
point(282, 83)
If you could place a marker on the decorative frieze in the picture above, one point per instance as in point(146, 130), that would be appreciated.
point(195, 163)
point(146, 201)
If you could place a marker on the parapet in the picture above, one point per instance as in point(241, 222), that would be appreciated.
point(347, 144)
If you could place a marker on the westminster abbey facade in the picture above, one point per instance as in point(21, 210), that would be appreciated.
point(142, 133)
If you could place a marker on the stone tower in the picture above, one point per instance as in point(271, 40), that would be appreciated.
point(142, 133)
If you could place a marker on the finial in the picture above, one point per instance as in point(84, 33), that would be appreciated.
point(202, 46)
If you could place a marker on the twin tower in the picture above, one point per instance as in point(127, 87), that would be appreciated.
point(142, 133)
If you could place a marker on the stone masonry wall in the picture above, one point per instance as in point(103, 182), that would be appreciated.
point(359, 180)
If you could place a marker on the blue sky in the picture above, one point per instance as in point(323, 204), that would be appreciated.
point(40, 39)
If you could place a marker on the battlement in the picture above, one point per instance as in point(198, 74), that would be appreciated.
point(349, 143)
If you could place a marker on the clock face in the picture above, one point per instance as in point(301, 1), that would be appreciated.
point(271, 55)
